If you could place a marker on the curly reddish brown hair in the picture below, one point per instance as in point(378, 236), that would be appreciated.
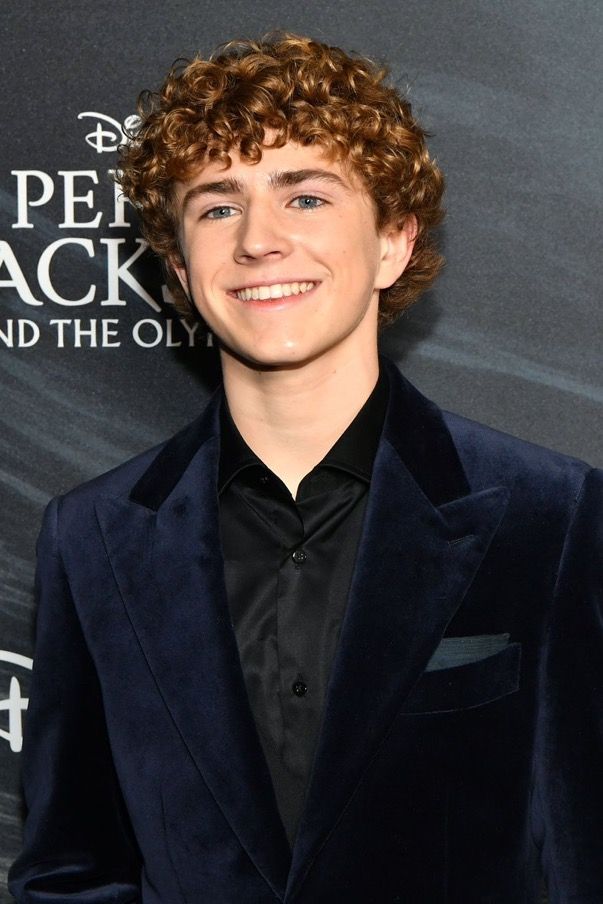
point(303, 91)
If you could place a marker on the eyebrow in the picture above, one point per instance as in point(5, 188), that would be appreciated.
point(278, 179)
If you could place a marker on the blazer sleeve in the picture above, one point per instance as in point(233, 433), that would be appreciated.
point(78, 845)
point(567, 810)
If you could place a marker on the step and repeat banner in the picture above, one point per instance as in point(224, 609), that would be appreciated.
point(95, 364)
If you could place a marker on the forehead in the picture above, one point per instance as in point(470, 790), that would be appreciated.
point(292, 158)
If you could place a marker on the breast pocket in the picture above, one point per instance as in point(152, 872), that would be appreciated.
point(467, 685)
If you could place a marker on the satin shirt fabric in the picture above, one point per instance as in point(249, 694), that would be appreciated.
point(288, 564)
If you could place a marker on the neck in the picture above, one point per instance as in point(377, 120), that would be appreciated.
point(291, 417)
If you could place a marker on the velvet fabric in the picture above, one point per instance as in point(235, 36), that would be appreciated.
point(461, 751)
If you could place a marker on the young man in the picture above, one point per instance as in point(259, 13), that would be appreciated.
point(329, 643)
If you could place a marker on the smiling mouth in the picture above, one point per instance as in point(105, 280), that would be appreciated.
point(277, 290)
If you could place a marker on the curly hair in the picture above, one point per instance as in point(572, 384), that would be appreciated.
point(302, 91)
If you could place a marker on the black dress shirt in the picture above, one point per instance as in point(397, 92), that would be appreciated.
point(288, 566)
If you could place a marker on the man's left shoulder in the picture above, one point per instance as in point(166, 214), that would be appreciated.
point(492, 456)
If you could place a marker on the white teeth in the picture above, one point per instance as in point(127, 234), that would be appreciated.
point(278, 290)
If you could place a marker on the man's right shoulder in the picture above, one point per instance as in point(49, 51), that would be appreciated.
point(119, 481)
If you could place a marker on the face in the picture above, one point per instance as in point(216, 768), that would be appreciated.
point(282, 258)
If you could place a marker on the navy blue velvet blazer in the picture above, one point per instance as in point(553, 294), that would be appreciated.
point(461, 752)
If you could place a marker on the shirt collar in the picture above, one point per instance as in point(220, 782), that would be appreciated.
point(354, 451)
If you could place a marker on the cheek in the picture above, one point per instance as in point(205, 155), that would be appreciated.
point(356, 245)
point(205, 281)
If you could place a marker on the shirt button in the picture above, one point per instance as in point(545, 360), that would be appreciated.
point(299, 556)
point(264, 479)
point(299, 688)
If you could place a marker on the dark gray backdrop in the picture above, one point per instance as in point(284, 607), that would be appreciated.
point(510, 336)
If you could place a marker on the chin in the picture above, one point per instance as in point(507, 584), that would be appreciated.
point(273, 358)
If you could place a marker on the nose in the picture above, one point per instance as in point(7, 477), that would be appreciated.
point(261, 233)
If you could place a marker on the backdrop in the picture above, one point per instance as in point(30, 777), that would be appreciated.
point(92, 371)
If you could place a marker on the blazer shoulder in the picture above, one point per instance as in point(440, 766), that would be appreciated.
point(490, 455)
point(120, 480)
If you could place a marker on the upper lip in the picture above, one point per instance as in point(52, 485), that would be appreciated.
point(274, 282)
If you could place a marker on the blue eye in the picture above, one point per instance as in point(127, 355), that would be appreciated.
point(309, 202)
point(219, 213)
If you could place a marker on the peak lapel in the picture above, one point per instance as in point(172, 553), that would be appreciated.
point(168, 565)
point(415, 563)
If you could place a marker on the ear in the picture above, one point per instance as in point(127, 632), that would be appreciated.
point(396, 249)
point(178, 267)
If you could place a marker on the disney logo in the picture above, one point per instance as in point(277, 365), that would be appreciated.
point(109, 134)
point(15, 704)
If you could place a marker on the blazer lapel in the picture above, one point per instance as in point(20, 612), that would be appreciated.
point(423, 539)
point(163, 544)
